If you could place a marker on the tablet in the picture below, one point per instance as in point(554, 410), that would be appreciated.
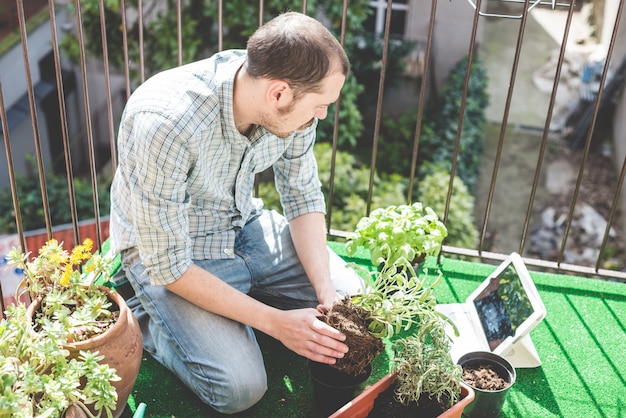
point(507, 305)
point(499, 315)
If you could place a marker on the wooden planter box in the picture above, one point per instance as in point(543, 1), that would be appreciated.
point(361, 406)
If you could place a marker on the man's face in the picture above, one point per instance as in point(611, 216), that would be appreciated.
point(298, 114)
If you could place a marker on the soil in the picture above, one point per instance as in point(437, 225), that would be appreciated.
point(353, 321)
point(386, 405)
point(484, 377)
point(79, 333)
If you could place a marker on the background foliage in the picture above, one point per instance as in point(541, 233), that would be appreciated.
point(351, 188)
point(31, 203)
point(439, 129)
point(200, 40)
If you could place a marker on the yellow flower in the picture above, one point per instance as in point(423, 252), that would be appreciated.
point(64, 280)
point(57, 267)
point(76, 257)
point(88, 244)
point(57, 259)
point(81, 252)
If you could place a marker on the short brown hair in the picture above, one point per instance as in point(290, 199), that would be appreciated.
point(297, 49)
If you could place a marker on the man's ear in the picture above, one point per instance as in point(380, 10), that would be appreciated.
point(279, 93)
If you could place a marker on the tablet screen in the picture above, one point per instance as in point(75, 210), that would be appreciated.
point(503, 306)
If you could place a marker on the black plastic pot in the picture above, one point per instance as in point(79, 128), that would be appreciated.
point(488, 403)
point(333, 388)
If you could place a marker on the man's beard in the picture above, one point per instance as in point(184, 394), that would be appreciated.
point(273, 123)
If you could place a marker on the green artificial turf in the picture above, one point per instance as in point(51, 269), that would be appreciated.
point(582, 344)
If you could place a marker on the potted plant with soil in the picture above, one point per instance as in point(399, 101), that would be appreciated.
point(81, 319)
point(424, 382)
point(395, 298)
point(39, 379)
point(490, 376)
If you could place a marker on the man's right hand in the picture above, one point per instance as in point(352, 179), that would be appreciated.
point(301, 331)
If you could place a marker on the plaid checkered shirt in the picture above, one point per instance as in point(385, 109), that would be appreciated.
point(185, 177)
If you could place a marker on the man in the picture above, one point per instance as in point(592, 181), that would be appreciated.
point(206, 262)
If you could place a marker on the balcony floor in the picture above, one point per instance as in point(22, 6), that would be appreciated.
point(581, 344)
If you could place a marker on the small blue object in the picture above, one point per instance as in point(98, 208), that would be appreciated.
point(141, 409)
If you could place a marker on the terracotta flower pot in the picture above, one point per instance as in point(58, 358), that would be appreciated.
point(121, 345)
point(361, 406)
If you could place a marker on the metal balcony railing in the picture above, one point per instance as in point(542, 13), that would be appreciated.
point(88, 107)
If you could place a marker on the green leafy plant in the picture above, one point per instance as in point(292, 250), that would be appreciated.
point(395, 299)
point(410, 232)
point(460, 223)
point(40, 375)
point(56, 277)
point(72, 311)
point(401, 306)
point(38, 378)
point(423, 364)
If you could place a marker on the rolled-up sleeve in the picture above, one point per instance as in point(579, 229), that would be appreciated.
point(156, 170)
point(296, 176)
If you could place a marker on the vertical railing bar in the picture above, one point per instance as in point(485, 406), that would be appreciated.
point(88, 127)
point(107, 89)
point(379, 105)
point(546, 129)
point(125, 47)
point(179, 30)
point(257, 177)
point(459, 128)
point(592, 125)
point(7, 147)
point(67, 153)
point(33, 117)
point(503, 126)
point(220, 25)
point(620, 183)
point(304, 6)
point(333, 158)
point(422, 99)
point(261, 12)
point(11, 170)
point(142, 73)
point(14, 195)
point(614, 206)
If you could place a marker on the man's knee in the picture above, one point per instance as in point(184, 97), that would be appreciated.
point(236, 394)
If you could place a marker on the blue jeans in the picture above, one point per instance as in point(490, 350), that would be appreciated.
point(217, 358)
